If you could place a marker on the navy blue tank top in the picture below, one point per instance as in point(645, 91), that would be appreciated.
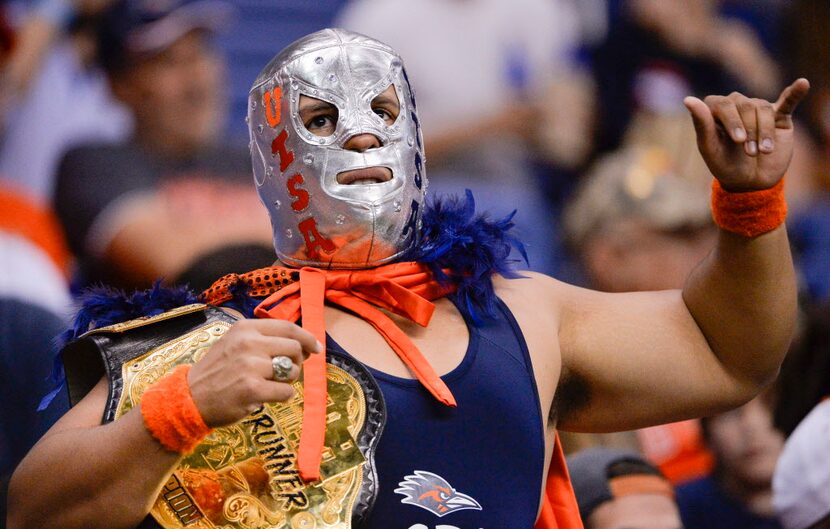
point(477, 466)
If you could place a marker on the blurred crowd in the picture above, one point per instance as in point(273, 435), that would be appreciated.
point(124, 160)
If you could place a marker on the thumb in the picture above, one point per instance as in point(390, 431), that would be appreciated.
point(703, 120)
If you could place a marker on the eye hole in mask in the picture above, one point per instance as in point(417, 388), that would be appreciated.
point(320, 117)
point(387, 105)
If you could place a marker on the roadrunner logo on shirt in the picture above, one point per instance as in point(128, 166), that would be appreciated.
point(433, 493)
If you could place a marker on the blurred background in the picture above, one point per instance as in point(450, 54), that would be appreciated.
point(124, 159)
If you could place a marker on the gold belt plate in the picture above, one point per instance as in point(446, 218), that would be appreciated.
point(244, 475)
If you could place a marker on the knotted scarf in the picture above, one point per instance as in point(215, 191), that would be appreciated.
point(406, 289)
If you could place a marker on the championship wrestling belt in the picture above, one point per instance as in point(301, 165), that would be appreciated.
point(242, 475)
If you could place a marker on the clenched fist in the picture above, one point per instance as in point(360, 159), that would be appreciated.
point(236, 375)
point(746, 143)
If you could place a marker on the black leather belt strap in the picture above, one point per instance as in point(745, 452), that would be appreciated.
point(103, 352)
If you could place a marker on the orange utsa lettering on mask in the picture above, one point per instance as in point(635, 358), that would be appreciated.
point(313, 239)
point(278, 147)
point(300, 194)
point(273, 110)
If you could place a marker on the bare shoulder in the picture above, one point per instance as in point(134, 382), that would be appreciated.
point(528, 281)
point(533, 294)
point(535, 301)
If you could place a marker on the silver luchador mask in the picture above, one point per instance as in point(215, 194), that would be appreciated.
point(330, 197)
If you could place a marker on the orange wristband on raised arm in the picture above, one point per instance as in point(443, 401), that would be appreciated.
point(170, 414)
point(750, 213)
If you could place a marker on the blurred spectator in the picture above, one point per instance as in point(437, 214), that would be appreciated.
point(764, 17)
point(154, 206)
point(639, 222)
point(801, 483)
point(6, 37)
point(804, 379)
point(636, 224)
point(804, 190)
point(29, 234)
point(52, 96)
point(809, 231)
point(739, 493)
point(659, 51)
point(27, 333)
point(616, 489)
point(495, 81)
point(807, 49)
point(34, 302)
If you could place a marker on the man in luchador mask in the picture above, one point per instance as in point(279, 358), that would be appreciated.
point(463, 369)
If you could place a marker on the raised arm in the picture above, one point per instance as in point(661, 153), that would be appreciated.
point(744, 294)
point(629, 360)
point(85, 475)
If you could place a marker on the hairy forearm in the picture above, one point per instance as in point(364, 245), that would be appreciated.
point(107, 476)
point(743, 298)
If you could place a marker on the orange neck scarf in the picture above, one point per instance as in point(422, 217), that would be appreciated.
point(405, 289)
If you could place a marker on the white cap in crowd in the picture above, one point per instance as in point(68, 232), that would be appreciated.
point(801, 484)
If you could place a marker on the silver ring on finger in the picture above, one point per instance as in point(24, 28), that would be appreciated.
point(282, 368)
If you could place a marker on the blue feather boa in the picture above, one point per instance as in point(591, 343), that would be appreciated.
point(472, 246)
point(102, 306)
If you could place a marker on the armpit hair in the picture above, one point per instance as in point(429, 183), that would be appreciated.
point(572, 394)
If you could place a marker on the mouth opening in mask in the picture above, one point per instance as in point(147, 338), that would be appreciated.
point(365, 176)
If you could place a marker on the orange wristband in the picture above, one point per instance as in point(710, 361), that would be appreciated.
point(750, 213)
point(170, 414)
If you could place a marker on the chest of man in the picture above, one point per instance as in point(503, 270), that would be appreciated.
point(494, 436)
